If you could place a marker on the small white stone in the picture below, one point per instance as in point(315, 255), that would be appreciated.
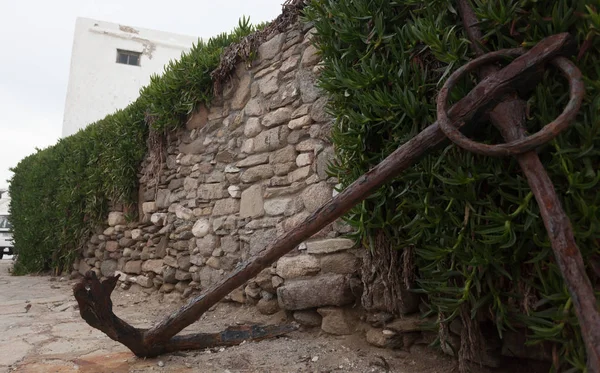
point(231, 169)
point(161, 363)
point(234, 191)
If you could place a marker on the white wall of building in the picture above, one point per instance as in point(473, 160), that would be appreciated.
point(98, 85)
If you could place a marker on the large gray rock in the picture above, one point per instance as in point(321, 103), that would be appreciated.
point(108, 267)
point(252, 127)
point(116, 218)
point(226, 206)
point(169, 275)
point(269, 84)
point(342, 263)
point(253, 160)
point(317, 111)
point(261, 239)
point(299, 174)
point(285, 155)
point(230, 244)
point(251, 204)
point(195, 147)
point(210, 191)
point(133, 266)
point(297, 266)
point(242, 93)
point(309, 90)
point(277, 117)
point(201, 228)
point(308, 318)
point(316, 196)
point(255, 107)
point(155, 265)
point(320, 291)
point(257, 173)
point(281, 206)
point(269, 49)
point(323, 160)
point(337, 321)
point(269, 140)
point(144, 281)
point(183, 262)
point(310, 57)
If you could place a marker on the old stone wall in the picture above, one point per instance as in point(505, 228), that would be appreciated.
point(242, 172)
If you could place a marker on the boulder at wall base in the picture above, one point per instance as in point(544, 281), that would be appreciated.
point(337, 321)
point(320, 291)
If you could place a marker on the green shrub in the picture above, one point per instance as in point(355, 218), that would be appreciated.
point(59, 194)
point(476, 230)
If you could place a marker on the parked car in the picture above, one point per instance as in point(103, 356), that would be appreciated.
point(6, 244)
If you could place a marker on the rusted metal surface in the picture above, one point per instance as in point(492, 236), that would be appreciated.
point(522, 144)
point(509, 117)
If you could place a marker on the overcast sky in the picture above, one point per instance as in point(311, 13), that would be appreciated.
point(36, 38)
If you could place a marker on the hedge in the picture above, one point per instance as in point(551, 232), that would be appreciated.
point(477, 235)
point(59, 194)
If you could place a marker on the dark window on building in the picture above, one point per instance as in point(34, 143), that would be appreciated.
point(128, 57)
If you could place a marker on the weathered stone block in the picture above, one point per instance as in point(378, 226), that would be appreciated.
point(307, 81)
point(299, 174)
point(181, 275)
point(144, 281)
point(183, 262)
point(257, 173)
point(112, 246)
point(304, 159)
point(108, 267)
point(308, 318)
point(317, 111)
point(301, 122)
point(230, 244)
point(310, 57)
point(190, 183)
point(320, 291)
point(278, 206)
point(253, 160)
point(261, 239)
point(242, 93)
point(337, 321)
point(162, 198)
point(251, 204)
point(133, 266)
point(198, 118)
point(154, 265)
point(226, 206)
point(328, 246)
point(297, 266)
point(342, 263)
point(116, 218)
point(269, 49)
point(255, 107)
point(272, 139)
point(277, 117)
point(252, 127)
point(316, 196)
point(285, 155)
point(210, 191)
point(269, 84)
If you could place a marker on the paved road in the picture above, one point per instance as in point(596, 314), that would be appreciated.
point(40, 325)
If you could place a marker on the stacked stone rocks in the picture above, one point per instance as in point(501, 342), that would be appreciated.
point(244, 171)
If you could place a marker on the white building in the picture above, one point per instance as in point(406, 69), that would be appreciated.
point(109, 65)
